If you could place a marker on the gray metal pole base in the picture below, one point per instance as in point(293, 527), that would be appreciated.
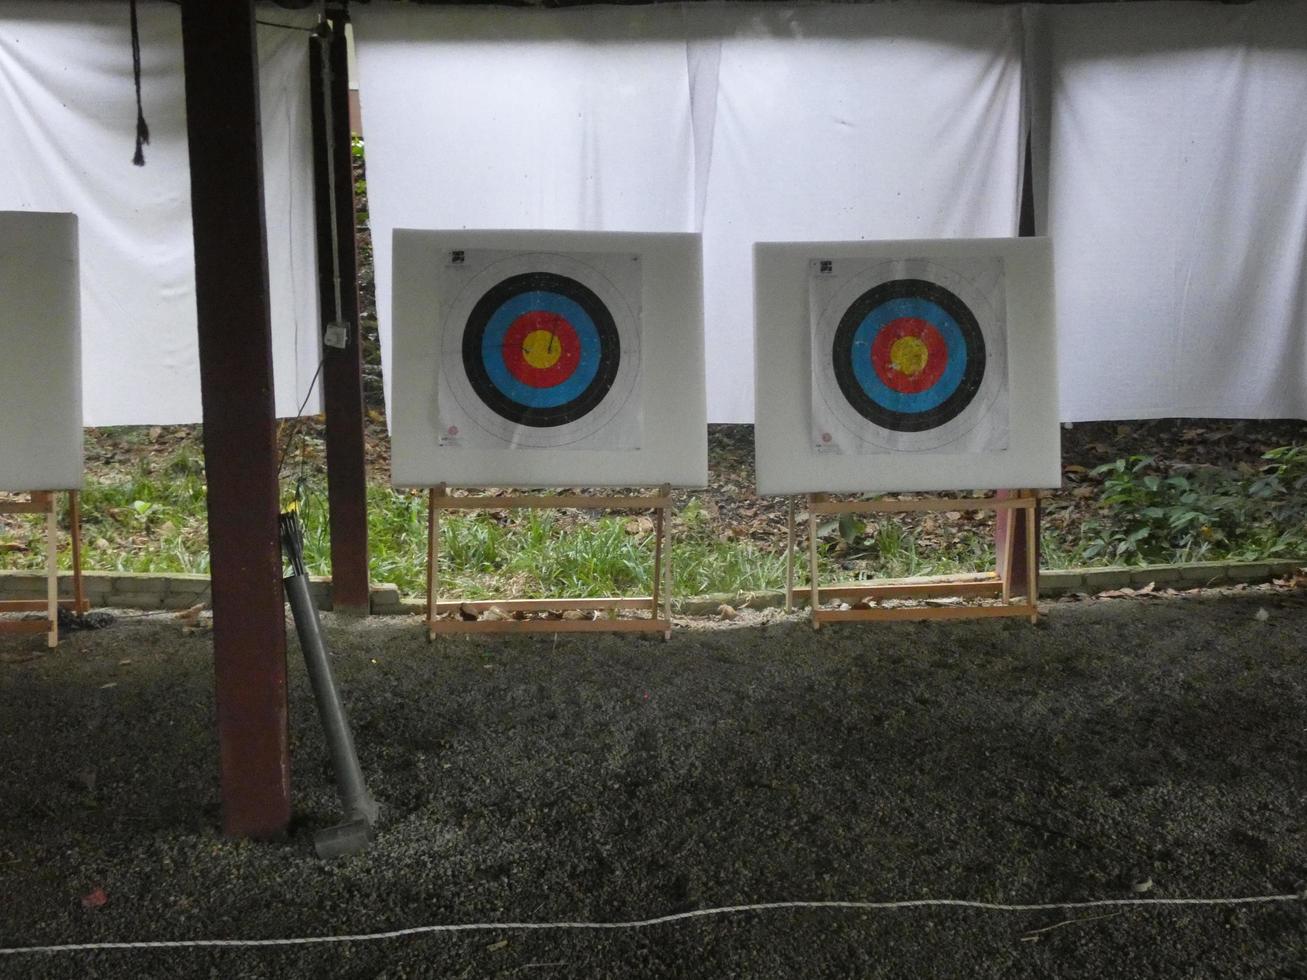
point(343, 839)
point(355, 832)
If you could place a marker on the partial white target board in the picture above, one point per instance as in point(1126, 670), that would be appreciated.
point(905, 365)
point(40, 353)
point(548, 359)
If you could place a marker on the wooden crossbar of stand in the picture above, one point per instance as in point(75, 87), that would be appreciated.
point(658, 605)
point(44, 502)
point(984, 585)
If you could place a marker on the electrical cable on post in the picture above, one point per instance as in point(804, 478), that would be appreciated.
point(337, 333)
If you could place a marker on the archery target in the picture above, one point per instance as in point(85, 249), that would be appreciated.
point(908, 355)
point(541, 350)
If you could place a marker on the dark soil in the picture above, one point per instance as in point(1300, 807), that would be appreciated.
point(608, 778)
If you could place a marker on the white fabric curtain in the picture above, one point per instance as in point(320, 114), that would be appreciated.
point(743, 122)
point(68, 111)
point(1172, 164)
point(837, 123)
point(573, 119)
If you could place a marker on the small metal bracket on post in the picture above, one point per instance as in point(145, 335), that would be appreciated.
point(336, 335)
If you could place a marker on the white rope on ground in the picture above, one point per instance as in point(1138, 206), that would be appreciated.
point(646, 923)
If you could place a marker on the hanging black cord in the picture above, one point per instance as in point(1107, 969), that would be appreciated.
point(142, 130)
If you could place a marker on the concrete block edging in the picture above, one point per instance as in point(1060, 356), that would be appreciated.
point(176, 591)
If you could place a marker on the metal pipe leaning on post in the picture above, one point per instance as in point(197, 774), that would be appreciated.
point(356, 830)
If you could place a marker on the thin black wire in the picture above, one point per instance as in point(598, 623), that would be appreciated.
point(285, 27)
point(299, 418)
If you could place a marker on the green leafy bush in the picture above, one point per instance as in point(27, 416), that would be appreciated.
point(1192, 513)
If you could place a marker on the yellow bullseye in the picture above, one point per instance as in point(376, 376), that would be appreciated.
point(541, 349)
point(908, 355)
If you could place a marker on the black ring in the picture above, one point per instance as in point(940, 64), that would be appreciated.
point(873, 411)
point(610, 349)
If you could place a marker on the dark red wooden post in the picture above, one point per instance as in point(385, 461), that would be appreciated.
point(240, 446)
point(342, 367)
point(1013, 566)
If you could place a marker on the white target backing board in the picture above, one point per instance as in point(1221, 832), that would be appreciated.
point(548, 359)
point(40, 352)
point(905, 365)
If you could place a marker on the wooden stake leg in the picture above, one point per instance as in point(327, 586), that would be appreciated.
point(433, 557)
point(789, 554)
point(1032, 560)
point(658, 563)
point(1005, 559)
point(80, 604)
point(52, 575)
point(814, 599)
point(667, 563)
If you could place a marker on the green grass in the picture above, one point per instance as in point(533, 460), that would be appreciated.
point(152, 519)
point(540, 553)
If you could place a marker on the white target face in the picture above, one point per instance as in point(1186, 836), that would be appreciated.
point(908, 355)
point(537, 359)
point(540, 350)
point(923, 365)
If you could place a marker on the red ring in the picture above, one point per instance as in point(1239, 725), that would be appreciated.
point(517, 364)
point(936, 354)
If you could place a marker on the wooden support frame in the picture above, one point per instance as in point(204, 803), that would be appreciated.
point(45, 502)
point(219, 49)
point(1022, 506)
point(658, 605)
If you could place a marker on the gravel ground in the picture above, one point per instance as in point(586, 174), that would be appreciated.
point(605, 778)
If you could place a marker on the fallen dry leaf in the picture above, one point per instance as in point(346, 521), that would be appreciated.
point(639, 525)
point(94, 899)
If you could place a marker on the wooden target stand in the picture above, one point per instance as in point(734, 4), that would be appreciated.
point(1023, 504)
point(44, 502)
point(658, 605)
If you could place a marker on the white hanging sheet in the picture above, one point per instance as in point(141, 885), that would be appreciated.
point(850, 122)
point(1169, 137)
point(525, 119)
point(745, 122)
point(67, 107)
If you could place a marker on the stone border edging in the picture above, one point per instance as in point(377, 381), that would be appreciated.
point(171, 590)
point(1053, 583)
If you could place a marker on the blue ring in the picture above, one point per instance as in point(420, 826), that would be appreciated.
point(903, 401)
point(492, 350)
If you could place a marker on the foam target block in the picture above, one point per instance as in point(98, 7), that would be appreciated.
point(905, 366)
point(40, 352)
point(548, 359)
